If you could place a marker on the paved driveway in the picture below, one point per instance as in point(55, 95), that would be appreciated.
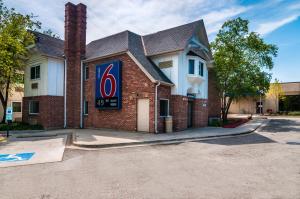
point(265, 164)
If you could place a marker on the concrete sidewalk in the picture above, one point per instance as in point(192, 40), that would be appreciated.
point(90, 138)
point(43, 149)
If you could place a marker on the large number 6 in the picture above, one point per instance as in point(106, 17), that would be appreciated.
point(107, 76)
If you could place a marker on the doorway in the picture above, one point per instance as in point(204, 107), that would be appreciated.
point(143, 115)
point(190, 114)
point(259, 108)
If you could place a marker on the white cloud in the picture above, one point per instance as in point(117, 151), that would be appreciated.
point(268, 27)
point(143, 17)
point(108, 17)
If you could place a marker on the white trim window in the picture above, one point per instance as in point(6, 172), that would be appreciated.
point(86, 72)
point(191, 66)
point(35, 72)
point(34, 107)
point(86, 107)
point(164, 107)
point(201, 68)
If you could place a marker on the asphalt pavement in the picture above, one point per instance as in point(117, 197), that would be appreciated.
point(264, 164)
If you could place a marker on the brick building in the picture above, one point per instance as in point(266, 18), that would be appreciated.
point(123, 81)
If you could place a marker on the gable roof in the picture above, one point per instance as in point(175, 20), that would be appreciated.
point(170, 40)
point(121, 43)
point(48, 45)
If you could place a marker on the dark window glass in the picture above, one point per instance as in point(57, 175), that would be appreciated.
point(86, 73)
point(86, 107)
point(164, 107)
point(191, 66)
point(32, 73)
point(34, 107)
point(35, 72)
point(16, 107)
point(201, 68)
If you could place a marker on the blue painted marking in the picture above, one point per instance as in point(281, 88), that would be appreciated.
point(15, 157)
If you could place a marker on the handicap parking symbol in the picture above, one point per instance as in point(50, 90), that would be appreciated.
point(15, 157)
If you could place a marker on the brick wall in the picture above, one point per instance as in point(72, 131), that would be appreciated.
point(179, 109)
point(135, 85)
point(51, 111)
point(74, 49)
point(200, 113)
point(214, 103)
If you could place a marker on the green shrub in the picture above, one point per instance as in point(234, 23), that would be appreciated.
point(294, 113)
point(20, 126)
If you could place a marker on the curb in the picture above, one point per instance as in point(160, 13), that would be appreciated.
point(153, 142)
point(102, 146)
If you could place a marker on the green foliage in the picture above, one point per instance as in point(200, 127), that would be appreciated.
point(294, 113)
point(15, 40)
point(20, 126)
point(51, 33)
point(241, 59)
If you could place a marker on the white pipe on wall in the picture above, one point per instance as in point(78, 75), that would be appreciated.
point(81, 93)
point(155, 109)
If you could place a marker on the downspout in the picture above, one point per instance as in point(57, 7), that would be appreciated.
point(155, 109)
point(65, 94)
point(81, 93)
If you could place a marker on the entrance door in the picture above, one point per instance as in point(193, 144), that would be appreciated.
point(259, 108)
point(143, 115)
point(190, 114)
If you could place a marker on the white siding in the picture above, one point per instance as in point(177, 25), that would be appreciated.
point(172, 72)
point(55, 77)
point(178, 74)
point(36, 60)
point(51, 81)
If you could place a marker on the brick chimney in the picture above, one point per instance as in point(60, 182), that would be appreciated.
point(74, 49)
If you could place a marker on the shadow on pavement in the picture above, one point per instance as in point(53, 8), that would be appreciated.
point(248, 139)
point(281, 125)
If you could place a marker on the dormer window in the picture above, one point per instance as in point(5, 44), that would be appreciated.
point(191, 66)
point(201, 65)
point(35, 72)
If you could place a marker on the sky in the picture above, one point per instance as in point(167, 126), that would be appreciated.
point(277, 21)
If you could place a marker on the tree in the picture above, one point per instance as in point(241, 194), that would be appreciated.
point(51, 33)
point(242, 61)
point(14, 42)
point(276, 93)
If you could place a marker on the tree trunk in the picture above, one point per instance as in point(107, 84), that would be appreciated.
point(225, 107)
point(4, 100)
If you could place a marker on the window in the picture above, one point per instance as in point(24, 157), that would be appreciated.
point(191, 66)
point(164, 107)
point(86, 107)
point(34, 107)
point(35, 72)
point(201, 68)
point(17, 107)
point(86, 73)
point(165, 64)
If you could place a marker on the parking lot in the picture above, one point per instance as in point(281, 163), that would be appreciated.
point(264, 164)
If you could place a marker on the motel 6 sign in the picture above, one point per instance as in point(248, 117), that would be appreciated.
point(108, 85)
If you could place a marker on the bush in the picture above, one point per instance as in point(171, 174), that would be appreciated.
point(20, 126)
point(294, 113)
point(216, 122)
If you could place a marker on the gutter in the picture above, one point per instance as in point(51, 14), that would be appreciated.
point(155, 110)
point(81, 93)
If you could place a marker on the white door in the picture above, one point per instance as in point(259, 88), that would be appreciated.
point(143, 115)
